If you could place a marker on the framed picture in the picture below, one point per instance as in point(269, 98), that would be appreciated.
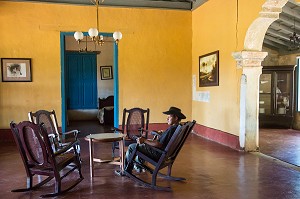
point(16, 69)
point(209, 69)
point(106, 72)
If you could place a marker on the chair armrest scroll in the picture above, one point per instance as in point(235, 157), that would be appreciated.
point(66, 148)
point(73, 135)
point(75, 132)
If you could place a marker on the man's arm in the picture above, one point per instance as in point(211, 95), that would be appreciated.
point(153, 143)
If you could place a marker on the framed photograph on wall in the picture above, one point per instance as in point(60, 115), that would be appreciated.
point(106, 72)
point(209, 69)
point(16, 69)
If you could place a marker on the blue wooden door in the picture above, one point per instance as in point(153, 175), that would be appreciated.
point(81, 80)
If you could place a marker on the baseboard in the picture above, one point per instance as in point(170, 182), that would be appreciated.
point(6, 136)
point(214, 135)
point(218, 136)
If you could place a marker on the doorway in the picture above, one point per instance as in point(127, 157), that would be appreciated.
point(65, 39)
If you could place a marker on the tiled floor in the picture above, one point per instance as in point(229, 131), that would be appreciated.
point(283, 144)
point(213, 171)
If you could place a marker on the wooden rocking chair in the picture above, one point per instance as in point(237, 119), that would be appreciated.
point(134, 124)
point(60, 139)
point(39, 158)
point(167, 158)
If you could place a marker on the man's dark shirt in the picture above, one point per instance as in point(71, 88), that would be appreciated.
point(166, 136)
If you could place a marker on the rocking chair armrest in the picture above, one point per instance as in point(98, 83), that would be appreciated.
point(72, 131)
point(75, 132)
point(51, 136)
point(66, 148)
point(69, 133)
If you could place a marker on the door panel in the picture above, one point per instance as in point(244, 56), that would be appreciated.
point(81, 81)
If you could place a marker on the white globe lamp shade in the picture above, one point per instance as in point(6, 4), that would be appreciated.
point(78, 36)
point(117, 36)
point(93, 32)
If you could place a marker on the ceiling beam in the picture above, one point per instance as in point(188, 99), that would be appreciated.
point(278, 26)
point(275, 33)
point(177, 5)
point(275, 45)
point(278, 41)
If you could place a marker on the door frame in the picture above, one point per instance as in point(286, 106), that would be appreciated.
point(63, 82)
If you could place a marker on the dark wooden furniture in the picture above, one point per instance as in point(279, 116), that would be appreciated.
point(106, 110)
point(134, 124)
point(167, 158)
point(48, 118)
point(39, 158)
point(276, 96)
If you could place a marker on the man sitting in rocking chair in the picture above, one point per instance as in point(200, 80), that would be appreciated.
point(174, 117)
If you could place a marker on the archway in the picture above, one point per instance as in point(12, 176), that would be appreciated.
point(249, 60)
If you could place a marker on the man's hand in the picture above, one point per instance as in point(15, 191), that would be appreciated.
point(154, 143)
point(140, 140)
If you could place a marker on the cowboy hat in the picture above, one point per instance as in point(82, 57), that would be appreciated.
point(175, 111)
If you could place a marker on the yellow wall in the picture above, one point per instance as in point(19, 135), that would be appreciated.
point(216, 27)
point(154, 56)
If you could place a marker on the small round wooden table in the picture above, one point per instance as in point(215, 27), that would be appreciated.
point(105, 137)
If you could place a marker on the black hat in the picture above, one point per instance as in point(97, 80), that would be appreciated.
point(175, 111)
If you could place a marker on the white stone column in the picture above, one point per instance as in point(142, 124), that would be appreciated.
point(250, 63)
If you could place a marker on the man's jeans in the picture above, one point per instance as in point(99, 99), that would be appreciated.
point(145, 149)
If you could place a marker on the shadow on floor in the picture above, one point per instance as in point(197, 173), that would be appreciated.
point(87, 127)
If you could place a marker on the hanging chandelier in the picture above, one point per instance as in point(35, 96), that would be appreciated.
point(94, 32)
point(294, 40)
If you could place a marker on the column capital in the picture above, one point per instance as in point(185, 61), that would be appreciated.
point(249, 58)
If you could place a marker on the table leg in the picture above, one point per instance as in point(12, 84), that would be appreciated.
point(121, 150)
point(91, 157)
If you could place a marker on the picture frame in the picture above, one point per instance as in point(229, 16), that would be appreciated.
point(16, 69)
point(106, 72)
point(209, 69)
